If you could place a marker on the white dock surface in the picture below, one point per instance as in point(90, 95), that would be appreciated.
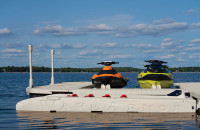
point(192, 87)
point(60, 87)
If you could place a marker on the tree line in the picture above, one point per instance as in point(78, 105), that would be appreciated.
point(68, 69)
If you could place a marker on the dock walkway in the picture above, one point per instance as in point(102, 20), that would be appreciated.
point(63, 87)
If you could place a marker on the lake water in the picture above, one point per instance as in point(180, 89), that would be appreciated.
point(12, 90)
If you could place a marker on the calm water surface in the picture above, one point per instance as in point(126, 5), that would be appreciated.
point(12, 90)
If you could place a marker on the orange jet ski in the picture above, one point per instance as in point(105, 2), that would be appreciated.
point(109, 76)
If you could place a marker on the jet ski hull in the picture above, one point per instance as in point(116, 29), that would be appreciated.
point(155, 76)
point(147, 80)
point(112, 81)
point(108, 76)
point(149, 83)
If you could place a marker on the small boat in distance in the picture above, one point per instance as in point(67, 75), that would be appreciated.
point(109, 76)
point(155, 76)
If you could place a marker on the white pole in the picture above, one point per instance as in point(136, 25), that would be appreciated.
point(30, 64)
point(52, 67)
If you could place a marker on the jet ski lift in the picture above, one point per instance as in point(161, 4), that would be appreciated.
point(74, 97)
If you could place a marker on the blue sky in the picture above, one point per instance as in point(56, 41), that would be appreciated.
point(84, 32)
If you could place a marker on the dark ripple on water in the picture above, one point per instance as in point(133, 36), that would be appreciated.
point(13, 85)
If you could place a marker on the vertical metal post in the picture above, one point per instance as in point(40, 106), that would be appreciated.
point(52, 67)
point(30, 64)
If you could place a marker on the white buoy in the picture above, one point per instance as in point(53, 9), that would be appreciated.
point(30, 64)
point(52, 67)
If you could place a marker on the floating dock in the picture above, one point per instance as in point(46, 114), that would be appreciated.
point(82, 97)
point(77, 97)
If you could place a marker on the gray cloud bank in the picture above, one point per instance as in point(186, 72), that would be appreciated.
point(157, 28)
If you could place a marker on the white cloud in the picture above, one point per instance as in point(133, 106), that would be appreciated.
point(168, 43)
point(58, 30)
point(194, 56)
point(78, 46)
point(110, 45)
point(175, 49)
point(118, 56)
point(191, 44)
point(105, 32)
point(11, 51)
point(157, 28)
point(192, 11)
point(164, 21)
point(117, 20)
point(15, 55)
point(11, 45)
point(137, 46)
point(181, 59)
point(167, 40)
point(89, 52)
point(171, 46)
point(195, 40)
point(192, 49)
point(4, 31)
point(49, 29)
point(165, 57)
point(195, 25)
point(67, 46)
point(152, 51)
point(107, 45)
point(100, 27)
point(60, 46)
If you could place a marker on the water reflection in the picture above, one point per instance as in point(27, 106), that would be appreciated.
point(59, 120)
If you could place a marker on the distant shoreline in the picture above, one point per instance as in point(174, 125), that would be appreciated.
point(25, 69)
point(87, 72)
point(65, 72)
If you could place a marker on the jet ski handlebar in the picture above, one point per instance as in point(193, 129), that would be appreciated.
point(156, 61)
point(165, 66)
point(108, 63)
